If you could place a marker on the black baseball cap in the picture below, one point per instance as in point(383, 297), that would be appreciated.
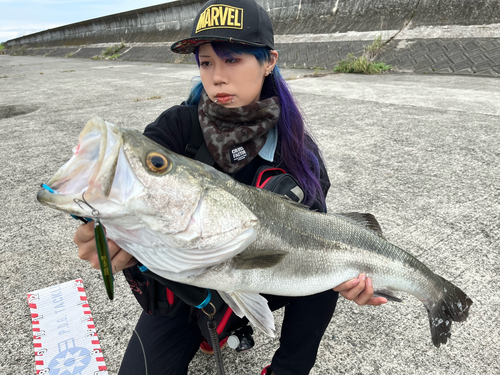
point(235, 21)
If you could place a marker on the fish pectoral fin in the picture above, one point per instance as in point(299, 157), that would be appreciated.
point(231, 303)
point(386, 294)
point(262, 259)
point(254, 307)
point(364, 220)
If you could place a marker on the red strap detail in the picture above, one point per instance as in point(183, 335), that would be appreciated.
point(260, 184)
point(264, 370)
point(170, 297)
point(224, 320)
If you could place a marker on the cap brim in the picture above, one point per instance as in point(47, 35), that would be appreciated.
point(188, 45)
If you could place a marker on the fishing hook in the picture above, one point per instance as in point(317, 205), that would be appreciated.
point(101, 243)
point(95, 212)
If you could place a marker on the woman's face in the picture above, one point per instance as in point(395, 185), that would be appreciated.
point(233, 82)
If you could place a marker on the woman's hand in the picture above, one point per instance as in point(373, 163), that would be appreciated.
point(360, 290)
point(85, 240)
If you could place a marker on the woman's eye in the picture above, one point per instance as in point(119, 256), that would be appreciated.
point(158, 163)
point(232, 61)
point(204, 63)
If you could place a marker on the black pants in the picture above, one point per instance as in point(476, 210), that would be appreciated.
point(166, 344)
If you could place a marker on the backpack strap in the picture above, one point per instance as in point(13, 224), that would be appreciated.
point(278, 181)
point(197, 148)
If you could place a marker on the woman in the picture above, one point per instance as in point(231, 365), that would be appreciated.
point(248, 120)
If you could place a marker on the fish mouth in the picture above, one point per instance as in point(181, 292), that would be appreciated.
point(90, 172)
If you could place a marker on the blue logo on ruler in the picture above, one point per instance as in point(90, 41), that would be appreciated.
point(70, 362)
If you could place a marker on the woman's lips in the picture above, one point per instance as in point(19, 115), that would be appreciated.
point(223, 98)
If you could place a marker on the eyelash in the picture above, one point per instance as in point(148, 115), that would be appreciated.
point(229, 61)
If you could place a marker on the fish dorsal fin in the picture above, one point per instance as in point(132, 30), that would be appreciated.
point(364, 220)
point(254, 307)
point(262, 259)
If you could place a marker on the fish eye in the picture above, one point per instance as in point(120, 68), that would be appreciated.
point(158, 163)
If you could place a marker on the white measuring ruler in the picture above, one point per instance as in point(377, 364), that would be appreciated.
point(64, 333)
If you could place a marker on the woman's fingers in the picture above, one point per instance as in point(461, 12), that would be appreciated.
point(360, 290)
point(84, 238)
point(349, 284)
point(354, 293)
point(120, 259)
point(84, 233)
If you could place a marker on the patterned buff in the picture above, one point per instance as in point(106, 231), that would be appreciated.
point(234, 136)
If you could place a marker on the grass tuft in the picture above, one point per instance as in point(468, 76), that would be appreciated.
point(360, 65)
point(110, 53)
point(373, 49)
point(364, 64)
point(113, 50)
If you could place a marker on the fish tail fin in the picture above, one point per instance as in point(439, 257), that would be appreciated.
point(454, 306)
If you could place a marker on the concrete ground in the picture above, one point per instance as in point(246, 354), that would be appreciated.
point(419, 152)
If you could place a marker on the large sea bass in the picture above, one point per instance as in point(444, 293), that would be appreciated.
point(187, 222)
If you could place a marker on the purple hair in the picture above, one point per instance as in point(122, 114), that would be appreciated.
point(297, 149)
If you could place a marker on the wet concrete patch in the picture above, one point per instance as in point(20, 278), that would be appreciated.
point(8, 111)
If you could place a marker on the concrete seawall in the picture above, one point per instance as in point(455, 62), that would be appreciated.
point(424, 36)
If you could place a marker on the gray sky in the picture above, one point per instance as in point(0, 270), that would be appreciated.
point(22, 17)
